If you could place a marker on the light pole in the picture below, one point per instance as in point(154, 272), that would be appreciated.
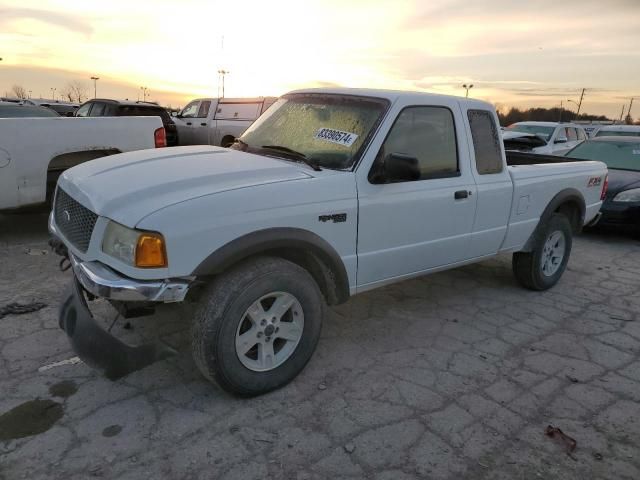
point(576, 104)
point(95, 88)
point(222, 74)
point(29, 93)
point(53, 93)
point(144, 93)
point(467, 88)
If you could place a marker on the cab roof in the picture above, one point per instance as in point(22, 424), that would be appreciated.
point(392, 95)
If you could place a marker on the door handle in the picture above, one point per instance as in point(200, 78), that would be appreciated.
point(203, 124)
point(188, 123)
point(460, 194)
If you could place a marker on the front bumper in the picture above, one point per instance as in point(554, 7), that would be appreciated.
point(103, 282)
point(96, 346)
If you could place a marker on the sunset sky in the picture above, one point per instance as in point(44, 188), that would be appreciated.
point(516, 53)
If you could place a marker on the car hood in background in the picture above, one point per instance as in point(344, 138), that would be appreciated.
point(129, 186)
point(521, 141)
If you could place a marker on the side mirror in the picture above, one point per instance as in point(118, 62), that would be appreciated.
point(399, 167)
point(561, 140)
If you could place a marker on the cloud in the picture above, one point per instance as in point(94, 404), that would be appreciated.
point(67, 21)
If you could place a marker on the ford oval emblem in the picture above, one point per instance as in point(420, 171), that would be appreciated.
point(67, 216)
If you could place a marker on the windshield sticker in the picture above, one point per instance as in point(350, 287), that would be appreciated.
point(345, 139)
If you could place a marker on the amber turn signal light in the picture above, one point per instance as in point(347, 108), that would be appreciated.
point(150, 251)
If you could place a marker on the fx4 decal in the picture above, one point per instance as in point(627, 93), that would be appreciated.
point(594, 182)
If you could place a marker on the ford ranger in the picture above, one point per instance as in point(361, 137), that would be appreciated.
point(330, 193)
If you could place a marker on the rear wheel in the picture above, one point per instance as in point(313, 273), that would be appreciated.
point(257, 326)
point(541, 268)
point(227, 141)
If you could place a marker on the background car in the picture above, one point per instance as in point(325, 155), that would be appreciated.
point(13, 110)
point(64, 109)
point(622, 156)
point(557, 138)
point(218, 121)
point(619, 130)
point(101, 107)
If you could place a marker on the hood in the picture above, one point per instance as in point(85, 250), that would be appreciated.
point(129, 186)
point(621, 180)
point(521, 141)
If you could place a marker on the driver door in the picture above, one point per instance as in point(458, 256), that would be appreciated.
point(410, 227)
point(185, 123)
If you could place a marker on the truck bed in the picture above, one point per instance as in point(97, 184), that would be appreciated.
point(515, 158)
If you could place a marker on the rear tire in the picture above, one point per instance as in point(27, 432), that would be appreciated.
point(268, 306)
point(227, 141)
point(541, 268)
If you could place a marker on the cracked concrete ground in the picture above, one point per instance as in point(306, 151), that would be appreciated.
point(455, 375)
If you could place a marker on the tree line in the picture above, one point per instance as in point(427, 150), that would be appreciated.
point(74, 92)
point(555, 114)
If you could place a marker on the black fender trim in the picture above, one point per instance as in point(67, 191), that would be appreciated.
point(566, 196)
point(299, 246)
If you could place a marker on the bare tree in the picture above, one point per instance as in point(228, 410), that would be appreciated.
point(19, 91)
point(75, 91)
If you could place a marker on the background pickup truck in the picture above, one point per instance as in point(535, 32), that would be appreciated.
point(218, 121)
point(34, 151)
point(331, 193)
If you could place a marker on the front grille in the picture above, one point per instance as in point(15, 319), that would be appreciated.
point(74, 221)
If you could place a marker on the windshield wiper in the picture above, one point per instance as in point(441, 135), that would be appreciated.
point(294, 155)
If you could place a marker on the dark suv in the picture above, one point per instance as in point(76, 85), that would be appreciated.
point(100, 107)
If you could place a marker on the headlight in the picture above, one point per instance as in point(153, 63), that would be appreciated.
point(632, 195)
point(133, 247)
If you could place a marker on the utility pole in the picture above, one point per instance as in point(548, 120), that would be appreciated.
point(561, 110)
point(580, 103)
point(95, 80)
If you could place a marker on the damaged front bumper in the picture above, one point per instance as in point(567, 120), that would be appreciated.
point(101, 281)
point(97, 347)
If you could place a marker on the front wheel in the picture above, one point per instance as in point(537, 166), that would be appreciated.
point(257, 326)
point(541, 268)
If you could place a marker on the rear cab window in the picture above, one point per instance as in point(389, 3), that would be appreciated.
point(486, 142)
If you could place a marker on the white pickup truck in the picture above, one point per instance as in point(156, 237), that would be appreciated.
point(218, 121)
point(34, 151)
point(331, 193)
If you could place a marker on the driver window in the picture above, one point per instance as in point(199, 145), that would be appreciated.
point(191, 110)
point(203, 111)
point(428, 134)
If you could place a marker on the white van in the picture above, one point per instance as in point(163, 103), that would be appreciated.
point(218, 121)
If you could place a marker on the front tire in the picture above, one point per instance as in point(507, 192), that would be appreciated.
point(257, 326)
point(541, 268)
